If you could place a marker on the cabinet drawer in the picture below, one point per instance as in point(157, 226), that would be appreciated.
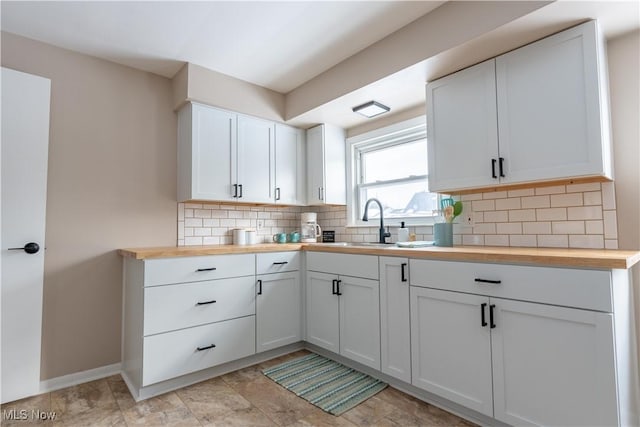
point(197, 268)
point(344, 264)
point(589, 289)
point(277, 262)
point(176, 353)
point(172, 307)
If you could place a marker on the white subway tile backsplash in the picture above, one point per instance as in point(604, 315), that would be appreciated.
point(577, 215)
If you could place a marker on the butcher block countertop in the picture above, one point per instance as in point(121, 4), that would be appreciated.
point(578, 258)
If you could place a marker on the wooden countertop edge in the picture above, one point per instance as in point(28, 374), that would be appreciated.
point(586, 258)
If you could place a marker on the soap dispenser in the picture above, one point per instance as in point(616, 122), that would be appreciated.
point(403, 233)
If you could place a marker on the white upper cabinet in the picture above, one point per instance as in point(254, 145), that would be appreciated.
point(290, 182)
point(206, 153)
point(225, 156)
point(326, 167)
point(462, 136)
point(552, 120)
point(256, 148)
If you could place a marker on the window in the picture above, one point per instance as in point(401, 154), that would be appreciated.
point(390, 164)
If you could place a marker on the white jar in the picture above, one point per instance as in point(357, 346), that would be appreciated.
point(239, 236)
point(252, 237)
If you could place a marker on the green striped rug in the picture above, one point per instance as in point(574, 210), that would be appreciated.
point(329, 385)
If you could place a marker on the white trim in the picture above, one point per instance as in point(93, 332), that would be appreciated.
point(76, 378)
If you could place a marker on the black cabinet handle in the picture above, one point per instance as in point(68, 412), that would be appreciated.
point(235, 190)
point(277, 193)
point(493, 169)
point(403, 276)
point(206, 302)
point(493, 282)
point(30, 248)
point(483, 323)
point(491, 307)
point(259, 287)
point(281, 263)
point(333, 287)
point(240, 186)
point(338, 287)
point(206, 269)
point(205, 348)
point(500, 166)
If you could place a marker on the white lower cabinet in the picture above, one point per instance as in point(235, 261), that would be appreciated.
point(395, 337)
point(278, 310)
point(523, 363)
point(343, 313)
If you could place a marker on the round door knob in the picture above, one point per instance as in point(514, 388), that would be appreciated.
point(30, 248)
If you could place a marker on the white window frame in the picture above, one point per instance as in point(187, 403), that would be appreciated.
point(405, 131)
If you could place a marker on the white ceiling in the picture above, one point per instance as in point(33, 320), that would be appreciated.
point(277, 45)
point(281, 45)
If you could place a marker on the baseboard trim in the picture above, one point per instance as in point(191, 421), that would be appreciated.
point(76, 378)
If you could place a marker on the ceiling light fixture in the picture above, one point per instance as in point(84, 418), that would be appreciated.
point(371, 109)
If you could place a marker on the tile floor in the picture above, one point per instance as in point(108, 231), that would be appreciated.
point(241, 398)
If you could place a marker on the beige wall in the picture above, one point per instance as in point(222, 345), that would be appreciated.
point(624, 77)
point(111, 184)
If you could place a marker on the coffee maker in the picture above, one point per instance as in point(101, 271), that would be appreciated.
point(309, 228)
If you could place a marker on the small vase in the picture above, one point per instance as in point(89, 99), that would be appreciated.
point(443, 234)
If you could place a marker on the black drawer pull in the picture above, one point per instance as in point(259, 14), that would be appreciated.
point(483, 323)
point(206, 348)
point(338, 287)
point(281, 263)
point(493, 169)
point(333, 287)
point(501, 166)
point(240, 187)
point(235, 190)
point(491, 307)
point(206, 302)
point(493, 282)
point(206, 269)
point(403, 274)
point(259, 287)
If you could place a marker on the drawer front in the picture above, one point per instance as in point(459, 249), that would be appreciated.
point(176, 353)
point(588, 289)
point(171, 307)
point(277, 262)
point(198, 268)
point(344, 264)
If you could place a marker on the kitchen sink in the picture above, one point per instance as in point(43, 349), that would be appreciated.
point(360, 244)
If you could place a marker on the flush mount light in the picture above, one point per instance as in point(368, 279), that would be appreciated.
point(371, 109)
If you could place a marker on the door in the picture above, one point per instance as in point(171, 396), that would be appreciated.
point(288, 165)
point(553, 365)
point(25, 141)
point(315, 165)
point(395, 337)
point(323, 323)
point(360, 320)
point(213, 156)
point(278, 302)
point(255, 160)
point(462, 134)
point(549, 112)
point(451, 346)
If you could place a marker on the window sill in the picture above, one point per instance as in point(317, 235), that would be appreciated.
point(393, 223)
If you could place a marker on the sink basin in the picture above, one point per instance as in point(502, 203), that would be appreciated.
point(360, 244)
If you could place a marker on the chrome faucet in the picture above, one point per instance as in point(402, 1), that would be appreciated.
point(365, 217)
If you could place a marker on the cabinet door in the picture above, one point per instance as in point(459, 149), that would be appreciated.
point(360, 320)
point(553, 365)
point(462, 135)
point(451, 347)
point(315, 165)
point(209, 154)
point(549, 108)
point(323, 324)
point(335, 191)
point(288, 165)
point(255, 160)
point(395, 337)
point(278, 302)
